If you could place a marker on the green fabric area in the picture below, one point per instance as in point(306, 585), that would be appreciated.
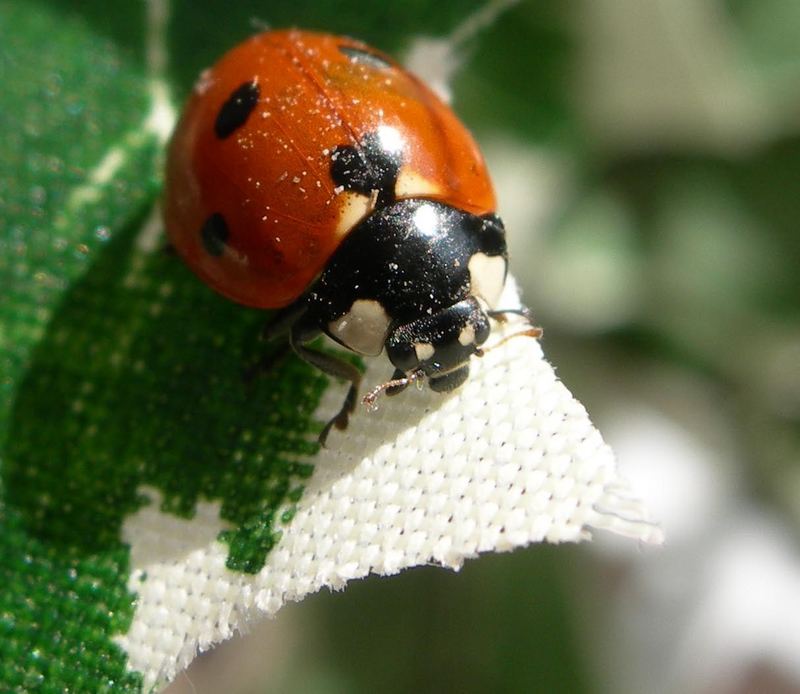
point(118, 368)
point(141, 380)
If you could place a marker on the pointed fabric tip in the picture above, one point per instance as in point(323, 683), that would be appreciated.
point(509, 459)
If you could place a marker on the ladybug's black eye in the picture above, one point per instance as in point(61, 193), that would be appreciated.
point(362, 57)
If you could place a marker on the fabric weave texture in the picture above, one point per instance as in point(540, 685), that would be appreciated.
point(508, 460)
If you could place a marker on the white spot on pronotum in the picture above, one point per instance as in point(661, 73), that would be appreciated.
point(353, 208)
point(487, 276)
point(426, 221)
point(466, 336)
point(410, 184)
point(424, 350)
point(363, 328)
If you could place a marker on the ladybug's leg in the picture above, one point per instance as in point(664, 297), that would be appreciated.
point(525, 312)
point(500, 314)
point(281, 322)
point(331, 366)
point(277, 326)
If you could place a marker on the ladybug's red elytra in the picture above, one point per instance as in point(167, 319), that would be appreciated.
point(311, 173)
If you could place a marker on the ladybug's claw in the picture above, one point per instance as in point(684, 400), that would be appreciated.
point(331, 366)
point(323, 435)
point(342, 418)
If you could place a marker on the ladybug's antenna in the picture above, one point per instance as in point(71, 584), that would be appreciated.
point(369, 400)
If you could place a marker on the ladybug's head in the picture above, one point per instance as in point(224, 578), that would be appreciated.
point(440, 346)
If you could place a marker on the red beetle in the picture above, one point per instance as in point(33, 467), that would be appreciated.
point(313, 174)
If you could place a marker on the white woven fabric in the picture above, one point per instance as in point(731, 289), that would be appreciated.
point(509, 459)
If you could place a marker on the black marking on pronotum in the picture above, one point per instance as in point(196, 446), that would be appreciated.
point(493, 232)
point(237, 109)
point(214, 233)
point(362, 57)
point(410, 271)
point(367, 167)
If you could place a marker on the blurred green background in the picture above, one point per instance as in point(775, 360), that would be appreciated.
point(647, 157)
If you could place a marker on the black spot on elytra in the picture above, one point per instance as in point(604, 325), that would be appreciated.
point(363, 57)
point(236, 110)
point(215, 234)
point(367, 167)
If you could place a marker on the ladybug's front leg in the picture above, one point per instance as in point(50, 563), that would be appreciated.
point(500, 315)
point(278, 326)
point(282, 322)
point(330, 365)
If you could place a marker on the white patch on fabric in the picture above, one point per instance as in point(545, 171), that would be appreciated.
point(487, 276)
point(508, 459)
point(363, 328)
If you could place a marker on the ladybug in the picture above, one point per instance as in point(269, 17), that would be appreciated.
point(311, 173)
